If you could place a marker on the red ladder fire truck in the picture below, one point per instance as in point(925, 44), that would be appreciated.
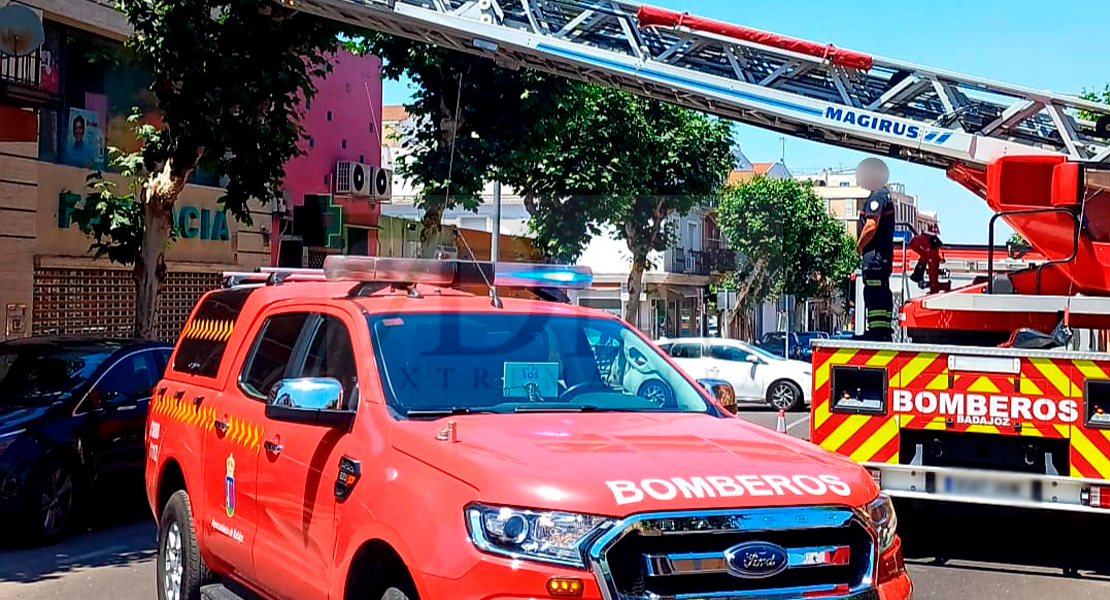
point(986, 405)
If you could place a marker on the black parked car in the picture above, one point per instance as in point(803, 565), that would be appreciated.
point(800, 349)
point(71, 411)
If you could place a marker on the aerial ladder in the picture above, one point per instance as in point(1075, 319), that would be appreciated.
point(1041, 160)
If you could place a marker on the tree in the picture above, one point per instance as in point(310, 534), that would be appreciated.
point(1095, 96)
point(229, 76)
point(624, 162)
point(471, 115)
point(787, 241)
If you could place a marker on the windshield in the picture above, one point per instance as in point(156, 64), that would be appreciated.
point(503, 362)
point(39, 375)
point(762, 352)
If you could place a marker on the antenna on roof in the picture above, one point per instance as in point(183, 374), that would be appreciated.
point(495, 300)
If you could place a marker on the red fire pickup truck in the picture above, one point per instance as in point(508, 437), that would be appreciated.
point(371, 431)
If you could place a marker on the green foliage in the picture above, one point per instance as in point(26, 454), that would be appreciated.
point(1095, 96)
point(788, 242)
point(114, 220)
point(229, 76)
point(472, 117)
point(612, 159)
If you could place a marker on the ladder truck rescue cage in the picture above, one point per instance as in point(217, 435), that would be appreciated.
point(989, 425)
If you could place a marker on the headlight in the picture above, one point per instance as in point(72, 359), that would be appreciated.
point(546, 536)
point(879, 514)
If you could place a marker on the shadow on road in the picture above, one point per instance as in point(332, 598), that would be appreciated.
point(116, 531)
point(1005, 540)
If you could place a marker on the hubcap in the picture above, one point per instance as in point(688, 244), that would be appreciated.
point(172, 566)
point(783, 396)
point(57, 500)
point(655, 395)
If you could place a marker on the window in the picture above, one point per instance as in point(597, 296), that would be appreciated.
point(507, 363)
point(331, 354)
point(133, 377)
point(344, 144)
point(38, 374)
point(271, 354)
point(686, 351)
point(329, 115)
point(731, 353)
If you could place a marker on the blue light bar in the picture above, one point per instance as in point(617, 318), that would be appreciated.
point(570, 277)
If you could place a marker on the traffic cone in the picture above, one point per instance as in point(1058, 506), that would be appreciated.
point(781, 427)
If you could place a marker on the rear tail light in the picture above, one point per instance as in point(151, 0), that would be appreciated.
point(1097, 496)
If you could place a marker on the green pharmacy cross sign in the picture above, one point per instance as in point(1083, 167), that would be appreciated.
point(189, 221)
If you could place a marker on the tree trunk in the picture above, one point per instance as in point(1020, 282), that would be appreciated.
point(158, 197)
point(635, 288)
point(431, 226)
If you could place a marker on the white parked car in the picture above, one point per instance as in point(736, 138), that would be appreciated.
point(755, 374)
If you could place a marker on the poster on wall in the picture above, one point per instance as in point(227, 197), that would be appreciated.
point(84, 140)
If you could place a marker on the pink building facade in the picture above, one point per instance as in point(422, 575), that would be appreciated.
point(342, 123)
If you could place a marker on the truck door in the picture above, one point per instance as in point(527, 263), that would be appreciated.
point(234, 439)
point(297, 471)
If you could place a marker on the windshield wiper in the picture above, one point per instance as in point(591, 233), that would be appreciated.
point(442, 412)
point(557, 408)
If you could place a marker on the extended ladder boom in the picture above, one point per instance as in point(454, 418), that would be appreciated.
point(818, 92)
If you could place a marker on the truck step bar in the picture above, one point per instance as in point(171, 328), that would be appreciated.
point(972, 486)
point(809, 90)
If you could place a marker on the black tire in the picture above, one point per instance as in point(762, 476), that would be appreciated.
point(658, 392)
point(181, 571)
point(53, 501)
point(785, 395)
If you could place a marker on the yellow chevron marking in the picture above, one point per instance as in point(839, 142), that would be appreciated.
point(936, 423)
point(844, 432)
point(1053, 374)
point(881, 358)
point(916, 367)
point(1089, 451)
point(1030, 430)
point(940, 382)
point(877, 441)
point(983, 384)
point(982, 429)
point(1064, 430)
point(1028, 386)
point(821, 377)
point(905, 420)
point(1089, 369)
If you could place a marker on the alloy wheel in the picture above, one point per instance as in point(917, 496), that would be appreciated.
point(173, 566)
point(57, 501)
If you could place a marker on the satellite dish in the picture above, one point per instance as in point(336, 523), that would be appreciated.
point(20, 30)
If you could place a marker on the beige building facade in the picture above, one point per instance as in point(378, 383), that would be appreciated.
point(49, 281)
point(845, 200)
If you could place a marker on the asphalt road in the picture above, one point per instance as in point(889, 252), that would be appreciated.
point(1001, 558)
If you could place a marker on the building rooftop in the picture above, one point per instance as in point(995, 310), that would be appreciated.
point(394, 114)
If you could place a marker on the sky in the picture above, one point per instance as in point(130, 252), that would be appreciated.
point(1057, 46)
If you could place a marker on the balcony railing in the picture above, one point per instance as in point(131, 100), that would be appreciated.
point(21, 80)
point(690, 262)
point(24, 70)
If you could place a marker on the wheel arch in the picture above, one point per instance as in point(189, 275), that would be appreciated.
point(376, 556)
point(171, 478)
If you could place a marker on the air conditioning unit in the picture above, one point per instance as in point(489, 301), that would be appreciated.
point(381, 184)
point(353, 179)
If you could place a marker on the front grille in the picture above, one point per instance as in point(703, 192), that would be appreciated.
point(828, 554)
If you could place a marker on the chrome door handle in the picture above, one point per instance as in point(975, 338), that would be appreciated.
point(273, 447)
point(221, 425)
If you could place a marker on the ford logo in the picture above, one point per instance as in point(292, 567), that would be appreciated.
point(753, 560)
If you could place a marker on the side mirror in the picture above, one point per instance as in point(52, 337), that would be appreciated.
point(755, 360)
point(309, 400)
point(722, 391)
